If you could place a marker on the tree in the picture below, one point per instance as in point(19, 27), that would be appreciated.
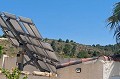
point(95, 53)
point(67, 49)
point(93, 45)
point(114, 21)
point(53, 44)
point(98, 45)
point(67, 41)
point(60, 40)
point(60, 49)
point(71, 41)
point(73, 51)
point(117, 52)
point(82, 54)
point(46, 39)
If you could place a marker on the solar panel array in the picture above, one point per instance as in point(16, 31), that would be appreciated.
point(23, 31)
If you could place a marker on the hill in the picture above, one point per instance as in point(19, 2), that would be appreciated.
point(67, 48)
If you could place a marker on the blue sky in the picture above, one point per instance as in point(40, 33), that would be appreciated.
point(83, 21)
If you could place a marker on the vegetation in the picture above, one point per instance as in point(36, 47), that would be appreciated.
point(7, 48)
point(60, 40)
point(67, 41)
point(71, 49)
point(114, 21)
point(14, 74)
point(67, 48)
point(53, 44)
point(82, 54)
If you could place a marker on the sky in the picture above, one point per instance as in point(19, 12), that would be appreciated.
point(83, 21)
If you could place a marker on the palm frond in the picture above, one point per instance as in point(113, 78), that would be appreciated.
point(118, 37)
point(114, 20)
point(116, 9)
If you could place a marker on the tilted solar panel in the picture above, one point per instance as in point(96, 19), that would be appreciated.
point(31, 48)
point(22, 31)
point(7, 32)
point(33, 27)
point(43, 65)
point(8, 15)
point(47, 46)
point(2, 23)
point(14, 41)
point(26, 20)
point(38, 49)
point(13, 20)
point(52, 55)
point(30, 27)
point(11, 38)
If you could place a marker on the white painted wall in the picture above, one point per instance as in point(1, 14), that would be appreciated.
point(111, 69)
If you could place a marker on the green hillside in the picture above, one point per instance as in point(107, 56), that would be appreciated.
point(67, 48)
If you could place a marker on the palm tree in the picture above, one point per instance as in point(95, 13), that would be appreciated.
point(114, 22)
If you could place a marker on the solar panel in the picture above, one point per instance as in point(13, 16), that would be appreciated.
point(9, 33)
point(47, 46)
point(2, 23)
point(26, 20)
point(53, 69)
point(34, 41)
point(11, 38)
point(43, 65)
point(8, 15)
point(35, 31)
point(30, 27)
point(13, 20)
point(14, 41)
point(52, 55)
point(23, 33)
point(15, 23)
point(32, 48)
